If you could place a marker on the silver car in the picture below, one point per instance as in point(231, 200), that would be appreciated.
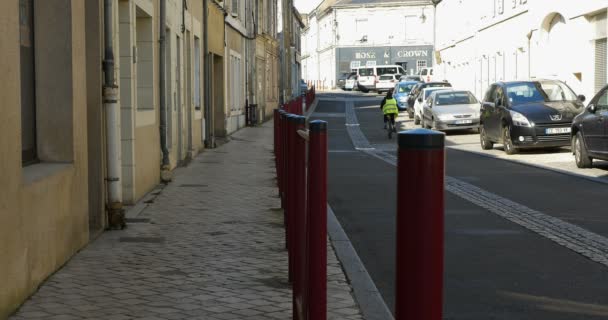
point(451, 110)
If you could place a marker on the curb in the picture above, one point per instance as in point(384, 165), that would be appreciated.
point(370, 300)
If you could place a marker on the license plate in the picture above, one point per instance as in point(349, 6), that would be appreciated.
point(464, 121)
point(557, 130)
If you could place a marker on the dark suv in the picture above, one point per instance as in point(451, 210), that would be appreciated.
point(417, 90)
point(528, 114)
point(590, 131)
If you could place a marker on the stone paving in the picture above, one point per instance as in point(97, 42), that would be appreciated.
point(210, 245)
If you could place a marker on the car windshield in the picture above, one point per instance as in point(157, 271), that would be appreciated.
point(405, 88)
point(452, 98)
point(557, 91)
point(386, 77)
point(548, 91)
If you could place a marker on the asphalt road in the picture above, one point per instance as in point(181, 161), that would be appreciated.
point(494, 268)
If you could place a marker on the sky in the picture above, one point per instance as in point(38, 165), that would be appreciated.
point(305, 6)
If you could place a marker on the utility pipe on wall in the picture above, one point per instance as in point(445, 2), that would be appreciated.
point(165, 165)
point(208, 140)
point(110, 103)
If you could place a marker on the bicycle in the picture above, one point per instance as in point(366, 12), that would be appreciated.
point(390, 128)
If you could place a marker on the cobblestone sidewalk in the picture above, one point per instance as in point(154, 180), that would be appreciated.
point(210, 246)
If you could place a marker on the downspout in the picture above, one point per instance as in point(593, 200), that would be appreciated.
point(116, 217)
point(207, 78)
point(165, 168)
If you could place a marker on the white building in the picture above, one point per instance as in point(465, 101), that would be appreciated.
point(481, 42)
point(343, 34)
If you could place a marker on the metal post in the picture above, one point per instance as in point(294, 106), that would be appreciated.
point(420, 215)
point(317, 223)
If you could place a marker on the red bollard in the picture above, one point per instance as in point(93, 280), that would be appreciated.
point(290, 191)
point(299, 221)
point(279, 153)
point(420, 216)
point(317, 220)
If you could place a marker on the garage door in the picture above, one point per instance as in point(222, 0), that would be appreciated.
point(600, 64)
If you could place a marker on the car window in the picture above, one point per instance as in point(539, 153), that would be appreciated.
point(432, 71)
point(429, 91)
point(452, 98)
point(557, 91)
point(602, 101)
point(527, 92)
point(386, 77)
point(366, 72)
point(406, 88)
point(423, 72)
point(490, 94)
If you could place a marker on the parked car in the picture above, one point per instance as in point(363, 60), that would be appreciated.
point(590, 131)
point(341, 81)
point(420, 101)
point(411, 99)
point(303, 86)
point(451, 110)
point(401, 91)
point(386, 82)
point(528, 114)
point(351, 82)
point(368, 76)
point(411, 78)
point(426, 74)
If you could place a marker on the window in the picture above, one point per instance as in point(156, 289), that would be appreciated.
point(235, 8)
point(500, 6)
point(361, 26)
point(28, 94)
point(420, 64)
point(365, 72)
point(143, 55)
point(410, 31)
point(236, 86)
point(197, 73)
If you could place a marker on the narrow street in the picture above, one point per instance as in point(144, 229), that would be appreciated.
point(522, 242)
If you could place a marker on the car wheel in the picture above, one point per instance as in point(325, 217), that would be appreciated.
point(483, 138)
point(507, 142)
point(416, 120)
point(580, 152)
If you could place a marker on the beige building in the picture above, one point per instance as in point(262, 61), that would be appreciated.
point(86, 112)
point(267, 59)
point(43, 204)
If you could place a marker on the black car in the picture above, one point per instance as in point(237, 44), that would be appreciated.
point(590, 131)
point(417, 90)
point(342, 79)
point(528, 114)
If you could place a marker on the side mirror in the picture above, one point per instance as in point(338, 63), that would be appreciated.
point(581, 98)
point(419, 99)
point(592, 108)
point(497, 102)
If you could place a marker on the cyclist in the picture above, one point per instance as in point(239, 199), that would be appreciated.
point(389, 109)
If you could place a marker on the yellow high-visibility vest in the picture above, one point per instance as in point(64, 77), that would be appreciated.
point(390, 106)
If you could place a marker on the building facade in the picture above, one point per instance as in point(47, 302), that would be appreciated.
point(266, 59)
point(522, 39)
point(344, 34)
point(44, 213)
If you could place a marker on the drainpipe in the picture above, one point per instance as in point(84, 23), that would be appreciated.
point(165, 168)
point(208, 125)
point(116, 217)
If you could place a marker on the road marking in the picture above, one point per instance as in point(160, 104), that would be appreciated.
point(575, 238)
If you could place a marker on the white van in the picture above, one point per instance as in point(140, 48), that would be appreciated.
point(367, 77)
point(426, 74)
